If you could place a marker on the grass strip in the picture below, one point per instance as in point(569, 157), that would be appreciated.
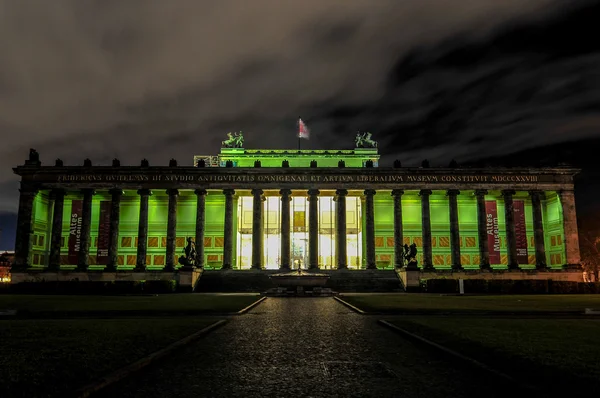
point(175, 304)
point(54, 357)
point(504, 304)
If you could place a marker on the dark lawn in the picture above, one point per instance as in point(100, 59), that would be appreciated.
point(126, 305)
point(432, 303)
point(50, 358)
point(559, 353)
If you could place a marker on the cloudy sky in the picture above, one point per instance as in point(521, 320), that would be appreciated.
point(436, 79)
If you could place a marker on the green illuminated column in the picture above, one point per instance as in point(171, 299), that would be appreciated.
point(454, 228)
point(398, 230)
point(426, 225)
point(313, 228)
point(58, 195)
point(511, 235)
point(142, 230)
point(484, 252)
point(113, 234)
point(24, 233)
point(538, 230)
point(228, 229)
point(257, 229)
point(171, 229)
point(285, 228)
point(200, 221)
point(86, 223)
point(340, 229)
point(567, 200)
point(370, 232)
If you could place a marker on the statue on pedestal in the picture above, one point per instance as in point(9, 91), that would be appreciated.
point(235, 140)
point(189, 260)
point(409, 257)
point(363, 140)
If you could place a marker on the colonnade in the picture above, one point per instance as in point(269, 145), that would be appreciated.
point(26, 201)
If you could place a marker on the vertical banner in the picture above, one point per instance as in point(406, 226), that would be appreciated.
point(75, 231)
point(520, 231)
point(491, 220)
point(103, 232)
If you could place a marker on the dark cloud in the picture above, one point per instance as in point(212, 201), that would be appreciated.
point(162, 79)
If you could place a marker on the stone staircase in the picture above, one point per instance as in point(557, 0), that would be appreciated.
point(339, 281)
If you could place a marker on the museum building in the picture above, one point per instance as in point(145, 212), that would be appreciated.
point(281, 209)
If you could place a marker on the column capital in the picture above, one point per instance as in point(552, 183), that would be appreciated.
point(88, 191)
point(200, 192)
point(229, 192)
point(452, 192)
point(369, 192)
point(57, 193)
point(285, 192)
point(144, 192)
point(566, 192)
point(397, 192)
point(257, 192)
point(425, 192)
point(172, 192)
point(313, 194)
point(341, 192)
point(116, 191)
point(508, 192)
point(481, 192)
point(536, 193)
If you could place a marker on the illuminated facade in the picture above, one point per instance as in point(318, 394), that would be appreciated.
point(279, 209)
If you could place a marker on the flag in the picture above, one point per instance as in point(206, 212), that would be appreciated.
point(303, 131)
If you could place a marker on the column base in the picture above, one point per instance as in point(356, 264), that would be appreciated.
point(485, 267)
point(285, 267)
point(82, 268)
point(542, 267)
point(140, 269)
point(110, 268)
point(257, 267)
point(514, 267)
point(226, 266)
point(342, 267)
point(428, 268)
point(168, 269)
point(457, 268)
point(371, 266)
point(313, 267)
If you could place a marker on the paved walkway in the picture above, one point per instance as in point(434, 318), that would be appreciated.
point(306, 347)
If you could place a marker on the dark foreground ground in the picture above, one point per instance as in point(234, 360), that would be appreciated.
point(297, 347)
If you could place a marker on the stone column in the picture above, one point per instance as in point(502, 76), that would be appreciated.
point(257, 229)
point(484, 252)
point(567, 200)
point(511, 235)
point(113, 234)
point(58, 195)
point(426, 229)
point(83, 262)
point(200, 221)
point(340, 229)
point(398, 230)
point(24, 233)
point(285, 228)
point(313, 228)
point(171, 229)
point(228, 229)
point(142, 230)
point(538, 230)
point(370, 230)
point(454, 228)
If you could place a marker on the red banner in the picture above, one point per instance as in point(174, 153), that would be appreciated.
point(520, 231)
point(75, 231)
point(493, 235)
point(103, 232)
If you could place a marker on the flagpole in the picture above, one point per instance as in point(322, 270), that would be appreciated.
point(299, 119)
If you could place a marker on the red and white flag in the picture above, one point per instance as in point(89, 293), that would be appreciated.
point(303, 131)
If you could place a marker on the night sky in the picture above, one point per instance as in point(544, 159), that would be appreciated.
point(507, 82)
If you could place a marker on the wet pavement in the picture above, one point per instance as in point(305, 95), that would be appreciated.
point(306, 347)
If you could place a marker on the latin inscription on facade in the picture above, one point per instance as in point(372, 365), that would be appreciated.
point(302, 178)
